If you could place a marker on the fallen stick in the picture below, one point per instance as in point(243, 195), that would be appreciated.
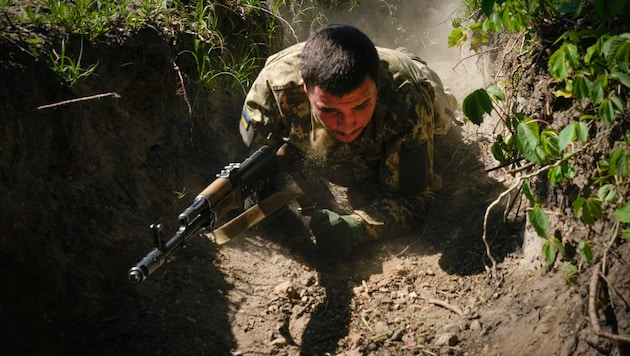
point(448, 306)
point(85, 98)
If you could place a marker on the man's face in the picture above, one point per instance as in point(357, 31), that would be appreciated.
point(345, 117)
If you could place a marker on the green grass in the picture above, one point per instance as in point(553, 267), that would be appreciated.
point(213, 54)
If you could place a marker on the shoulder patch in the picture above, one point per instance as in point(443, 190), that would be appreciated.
point(244, 120)
point(247, 132)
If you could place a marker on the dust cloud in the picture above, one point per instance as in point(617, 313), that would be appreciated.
point(422, 26)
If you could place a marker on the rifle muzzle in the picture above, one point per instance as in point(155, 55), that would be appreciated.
point(136, 275)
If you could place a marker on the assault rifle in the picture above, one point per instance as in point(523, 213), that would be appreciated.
point(233, 184)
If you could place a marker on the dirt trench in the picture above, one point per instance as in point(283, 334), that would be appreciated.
point(81, 182)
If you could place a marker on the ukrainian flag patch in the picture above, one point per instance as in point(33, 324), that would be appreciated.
point(243, 128)
point(244, 120)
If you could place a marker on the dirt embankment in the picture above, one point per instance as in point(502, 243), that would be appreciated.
point(81, 181)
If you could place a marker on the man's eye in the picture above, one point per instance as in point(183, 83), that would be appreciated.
point(362, 106)
point(328, 110)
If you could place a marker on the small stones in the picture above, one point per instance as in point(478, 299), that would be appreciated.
point(446, 339)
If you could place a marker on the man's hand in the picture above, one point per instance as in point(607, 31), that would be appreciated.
point(336, 234)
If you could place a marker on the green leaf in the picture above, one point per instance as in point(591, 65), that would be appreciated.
point(549, 253)
point(622, 213)
point(606, 111)
point(555, 175)
point(564, 57)
point(618, 162)
point(604, 166)
point(585, 248)
point(588, 117)
point(497, 150)
point(582, 131)
point(549, 143)
point(34, 41)
point(573, 7)
point(541, 153)
point(622, 78)
point(569, 273)
point(592, 53)
point(591, 210)
point(578, 204)
point(487, 6)
point(567, 170)
point(527, 190)
point(573, 56)
point(539, 220)
point(557, 244)
point(496, 92)
point(567, 135)
point(613, 161)
point(615, 99)
point(598, 88)
point(608, 193)
point(566, 92)
point(477, 104)
point(581, 86)
point(617, 49)
point(455, 36)
point(529, 144)
point(558, 65)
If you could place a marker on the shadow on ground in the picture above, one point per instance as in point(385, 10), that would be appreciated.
point(453, 231)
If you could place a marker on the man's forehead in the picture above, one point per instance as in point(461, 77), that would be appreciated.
point(363, 94)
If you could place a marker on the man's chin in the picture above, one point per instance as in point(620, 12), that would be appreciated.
point(345, 138)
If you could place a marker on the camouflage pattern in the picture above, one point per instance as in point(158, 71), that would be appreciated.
point(277, 110)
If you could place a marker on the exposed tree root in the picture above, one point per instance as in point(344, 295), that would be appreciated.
point(592, 309)
point(517, 184)
point(182, 87)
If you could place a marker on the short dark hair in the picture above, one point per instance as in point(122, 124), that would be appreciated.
point(338, 59)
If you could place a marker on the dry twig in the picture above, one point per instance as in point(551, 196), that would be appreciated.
point(448, 306)
point(85, 98)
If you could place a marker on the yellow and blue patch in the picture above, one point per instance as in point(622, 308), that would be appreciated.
point(246, 134)
point(245, 120)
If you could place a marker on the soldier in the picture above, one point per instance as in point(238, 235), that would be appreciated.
point(363, 118)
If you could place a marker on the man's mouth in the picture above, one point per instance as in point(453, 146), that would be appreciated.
point(345, 137)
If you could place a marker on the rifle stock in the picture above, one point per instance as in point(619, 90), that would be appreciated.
point(234, 183)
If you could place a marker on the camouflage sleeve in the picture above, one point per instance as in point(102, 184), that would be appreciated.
point(406, 172)
point(268, 107)
point(260, 114)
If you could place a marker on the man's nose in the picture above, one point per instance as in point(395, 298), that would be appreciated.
point(345, 123)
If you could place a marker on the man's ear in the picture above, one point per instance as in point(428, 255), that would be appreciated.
point(303, 82)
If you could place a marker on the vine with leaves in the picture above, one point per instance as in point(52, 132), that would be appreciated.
point(589, 65)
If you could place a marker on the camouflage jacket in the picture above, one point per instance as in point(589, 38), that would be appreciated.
point(392, 160)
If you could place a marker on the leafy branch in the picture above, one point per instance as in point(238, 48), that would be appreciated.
point(591, 67)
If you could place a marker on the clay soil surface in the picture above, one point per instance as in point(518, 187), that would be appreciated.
point(80, 184)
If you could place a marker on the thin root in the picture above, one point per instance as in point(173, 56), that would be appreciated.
point(592, 310)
